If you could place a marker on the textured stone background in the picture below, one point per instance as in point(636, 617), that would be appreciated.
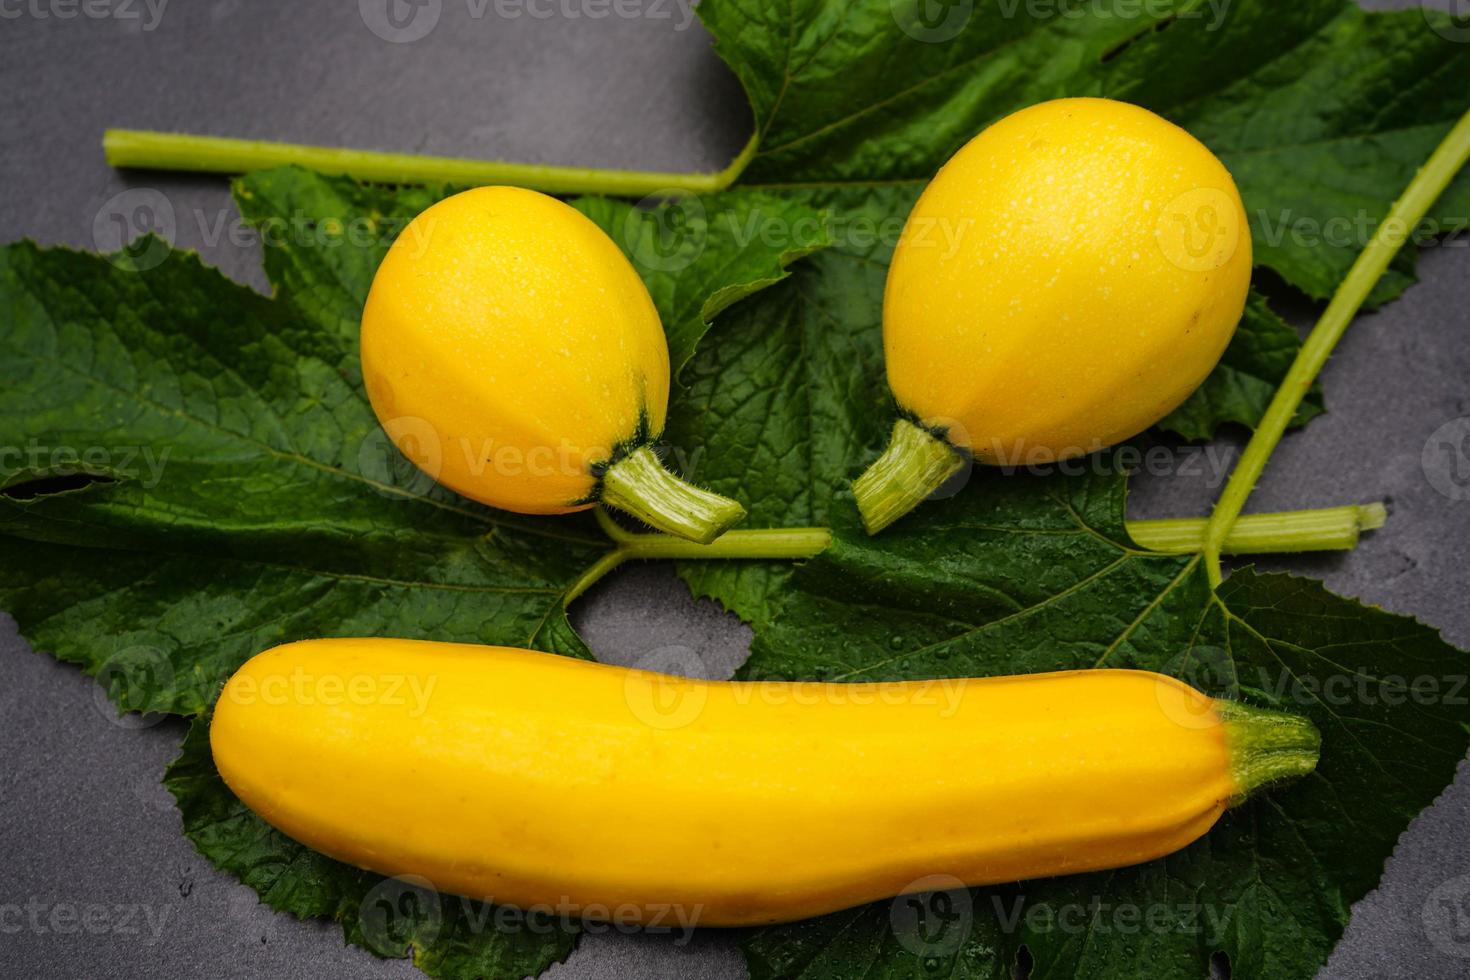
point(83, 819)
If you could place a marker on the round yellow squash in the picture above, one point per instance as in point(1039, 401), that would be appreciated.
point(540, 781)
point(1066, 280)
point(512, 353)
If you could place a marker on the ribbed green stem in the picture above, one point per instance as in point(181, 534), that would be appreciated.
point(217, 154)
point(1335, 528)
point(915, 464)
point(639, 485)
point(789, 543)
point(770, 544)
point(1389, 237)
point(1266, 746)
point(1327, 529)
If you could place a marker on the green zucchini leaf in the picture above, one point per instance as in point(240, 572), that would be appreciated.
point(784, 401)
point(700, 255)
point(237, 491)
point(1244, 382)
point(1021, 574)
point(198, 476)
point(218, 446)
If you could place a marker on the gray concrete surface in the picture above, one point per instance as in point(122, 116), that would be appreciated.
point(83, 821)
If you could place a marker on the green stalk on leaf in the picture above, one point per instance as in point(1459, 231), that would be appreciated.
point(1327, 529)
point(217, 154)
point(1426, 187)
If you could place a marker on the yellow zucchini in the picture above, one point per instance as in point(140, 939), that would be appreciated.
point(536, 780)
point(513, 354)
point(1064, 282)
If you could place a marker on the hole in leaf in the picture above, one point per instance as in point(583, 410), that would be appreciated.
point(1024, 963)
point(50, 484)
point(1117, 49)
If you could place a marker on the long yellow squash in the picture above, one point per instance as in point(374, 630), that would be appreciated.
point(537, 780)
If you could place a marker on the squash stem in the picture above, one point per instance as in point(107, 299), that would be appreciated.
point(1412, 205)
point(915, 464)
point(217, 154)
point(1327, 529)
point(773, 544)
point(639, 485)
point(1330, 529)
point(1266, 746)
